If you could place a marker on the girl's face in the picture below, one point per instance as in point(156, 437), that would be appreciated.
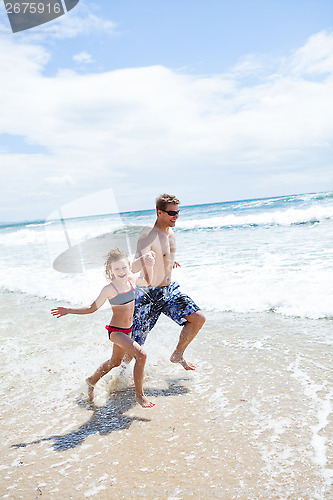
point(120, 269)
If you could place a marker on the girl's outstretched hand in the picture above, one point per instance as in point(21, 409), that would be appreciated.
point(59, 311)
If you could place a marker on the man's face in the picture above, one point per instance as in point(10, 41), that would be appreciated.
point(167, 219)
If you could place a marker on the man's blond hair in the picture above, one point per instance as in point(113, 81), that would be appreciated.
point(164, 199)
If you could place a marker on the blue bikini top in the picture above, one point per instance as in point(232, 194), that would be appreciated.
point(123, 297)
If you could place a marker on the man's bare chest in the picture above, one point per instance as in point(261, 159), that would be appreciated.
point(164, 246)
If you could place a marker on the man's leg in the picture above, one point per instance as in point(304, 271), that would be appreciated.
point(194, 323)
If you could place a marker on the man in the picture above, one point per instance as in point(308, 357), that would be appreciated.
point(157, 246)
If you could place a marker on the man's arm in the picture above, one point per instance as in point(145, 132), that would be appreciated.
point(142, 255)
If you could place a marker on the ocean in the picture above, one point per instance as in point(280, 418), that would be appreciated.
point(253, 421)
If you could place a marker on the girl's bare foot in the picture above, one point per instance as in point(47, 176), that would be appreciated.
point(90, 389)
point(143, 401)
point(175, 358)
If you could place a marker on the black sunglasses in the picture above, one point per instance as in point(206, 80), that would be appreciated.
point(172, 213)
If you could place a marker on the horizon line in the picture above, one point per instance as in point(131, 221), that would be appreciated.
point(41, 221)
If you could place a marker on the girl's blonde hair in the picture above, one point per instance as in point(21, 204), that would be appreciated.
point(113, 256)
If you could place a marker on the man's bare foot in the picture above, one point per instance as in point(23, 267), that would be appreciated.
point(90, 389)
point(175, 358)
point(143, 401)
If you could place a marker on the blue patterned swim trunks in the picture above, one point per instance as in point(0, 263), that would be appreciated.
point(151, 301)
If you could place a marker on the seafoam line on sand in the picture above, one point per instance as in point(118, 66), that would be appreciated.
point(323, 407)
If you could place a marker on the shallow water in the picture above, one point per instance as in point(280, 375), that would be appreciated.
point(248, 256)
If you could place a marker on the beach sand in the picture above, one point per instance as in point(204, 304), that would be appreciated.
point(254, 421)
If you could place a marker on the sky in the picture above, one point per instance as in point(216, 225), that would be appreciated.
point(211, 101)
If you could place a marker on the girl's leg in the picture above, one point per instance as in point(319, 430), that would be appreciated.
point(135, 350)
point(116, 358)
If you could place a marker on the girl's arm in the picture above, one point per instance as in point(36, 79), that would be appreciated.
point(62, 311)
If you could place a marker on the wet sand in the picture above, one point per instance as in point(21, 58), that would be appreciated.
point(253, 422)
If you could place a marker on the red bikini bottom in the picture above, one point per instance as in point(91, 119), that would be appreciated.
point(126, 331)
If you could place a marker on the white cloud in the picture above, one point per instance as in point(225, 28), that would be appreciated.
point(137, 127)
point(72, 24)
point(315, 57)
point(82, 58)
point(58, 180)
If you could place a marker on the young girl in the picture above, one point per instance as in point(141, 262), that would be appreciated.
point(121, 295)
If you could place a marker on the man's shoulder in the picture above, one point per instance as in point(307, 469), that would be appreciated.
point(147, 230)
point(146, 238)
point(148, 234)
